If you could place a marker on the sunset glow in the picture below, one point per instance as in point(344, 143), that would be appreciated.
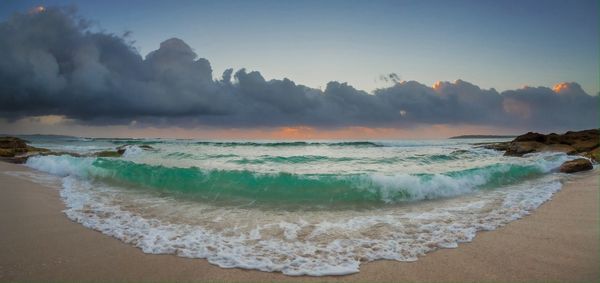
point(560, 87)
point(299, 140)
point(75, 69)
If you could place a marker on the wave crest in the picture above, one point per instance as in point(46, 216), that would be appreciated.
point(286, 187)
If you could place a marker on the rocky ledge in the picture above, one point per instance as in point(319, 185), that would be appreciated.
point(16, 150)
point(576, 165)
point(583, 143)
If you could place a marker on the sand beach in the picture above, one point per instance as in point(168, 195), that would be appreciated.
point(557, 242)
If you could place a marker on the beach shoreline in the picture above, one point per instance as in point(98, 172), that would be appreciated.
point(557, 242)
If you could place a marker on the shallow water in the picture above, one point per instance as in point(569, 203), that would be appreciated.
point(305, 207)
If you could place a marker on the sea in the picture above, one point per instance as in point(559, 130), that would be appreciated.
point(296, 207)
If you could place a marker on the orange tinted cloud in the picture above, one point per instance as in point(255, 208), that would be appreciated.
point(437, 85)
point(560, 87)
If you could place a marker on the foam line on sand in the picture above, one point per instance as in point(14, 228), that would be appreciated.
point(558, 242)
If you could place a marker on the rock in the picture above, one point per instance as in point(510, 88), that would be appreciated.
point(576, 165)
point(552, 138)
point(6, 152)
point(108, 153)
point(12, 143)
point(497, 146)
point(585, 145)
point(11, 146)
point(594, 155)
point(572, 138)
point(521, 148)
point(559, 148)
point(530, 137)
point(582, 142)
point(16, 150)
point(36, 150)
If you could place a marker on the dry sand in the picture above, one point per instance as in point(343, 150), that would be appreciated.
point(558, 242)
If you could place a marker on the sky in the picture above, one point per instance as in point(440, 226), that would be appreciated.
point(366, 67)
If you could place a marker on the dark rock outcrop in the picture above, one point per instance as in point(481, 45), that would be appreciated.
point(12, 143)
point(501, 146)
point(594, 155)
point(581, 142)
point(11, 146)
point(585, 145)
point(16, 150)
point(530, 137)
point(6, 153)
point(577, 165)
point(559, 148)
point(109, 153)
point(523, 147)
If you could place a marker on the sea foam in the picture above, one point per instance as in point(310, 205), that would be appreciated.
point(317, 243)
point(297, 208)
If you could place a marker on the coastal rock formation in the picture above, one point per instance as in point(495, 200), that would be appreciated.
point(577, 165)
point(108, 153)
point(16, 150)
point(500, 146)
point(521, 148)
point(594, 154)
point(569, 143)
point(12, 143)
point(585, 143)
point(531, 137)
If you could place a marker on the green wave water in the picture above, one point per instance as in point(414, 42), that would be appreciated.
point(288, 172)
point(287, 206)
point(309, 188)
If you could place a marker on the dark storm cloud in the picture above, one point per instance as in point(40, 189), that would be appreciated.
point(51, 62)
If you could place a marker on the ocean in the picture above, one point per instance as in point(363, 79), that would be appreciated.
point(296, 207)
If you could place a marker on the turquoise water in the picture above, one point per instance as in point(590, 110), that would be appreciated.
point(297, 207)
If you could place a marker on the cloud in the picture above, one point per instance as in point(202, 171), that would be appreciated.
point(53, 63)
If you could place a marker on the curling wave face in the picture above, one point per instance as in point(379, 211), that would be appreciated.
point(315, 208)
point(286, 187)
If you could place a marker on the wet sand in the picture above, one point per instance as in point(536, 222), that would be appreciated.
point(558, 242)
